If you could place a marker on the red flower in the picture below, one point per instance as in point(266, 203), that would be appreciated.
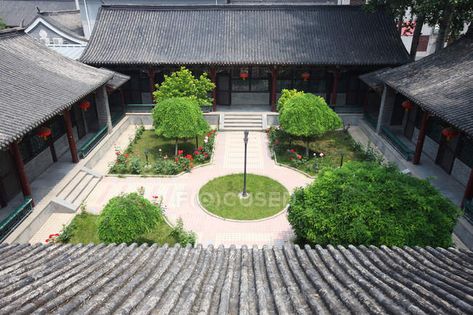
point(189, 157)
point(206, 155)
point(292, 151)
point(126, 155)
point(155, 196)
point(196, 152)
point(117, 153)
point(180, 152)
point(47, 241)
point(200, 148)
point(176, 159)
point(299, 157)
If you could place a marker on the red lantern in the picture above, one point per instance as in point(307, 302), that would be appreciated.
point(85, 105)
point(44, 132)
point(244, 74)
point(305, 76)
point(407, 105)
point(449, 133)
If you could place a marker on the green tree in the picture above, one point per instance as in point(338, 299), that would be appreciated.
point(371, 204)
point(126, 217)
point(2, 24)
point(182, 83)
point(179, 118)
point(308, 116)
point(285, 96)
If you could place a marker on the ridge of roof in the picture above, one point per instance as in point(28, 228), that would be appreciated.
point(230, 6)
point(13, 31)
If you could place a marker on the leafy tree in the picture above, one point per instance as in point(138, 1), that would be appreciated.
point(285, 96)
point(307, 116)
point(126, 217)
point(182, 83)
point(2, 24)
point(179, 118)
point(371, 204)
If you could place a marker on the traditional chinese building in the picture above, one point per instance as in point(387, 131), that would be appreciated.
point(251, 52)
point(49, 105)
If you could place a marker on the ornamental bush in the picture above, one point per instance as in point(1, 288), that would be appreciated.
point(126, 217)
point(179, 118)
point(182, 83)
point(371, 204)
point(285, 96)
point(307, 116)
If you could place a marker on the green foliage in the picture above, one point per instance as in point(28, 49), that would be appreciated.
point(166, 167)
point(126, 217)
point(179, 118)
point(182, 83)
point(285, 96)
point(308, 116)
point(2, 24)
point(371, 204)
point(182, 236)
point(136, 167)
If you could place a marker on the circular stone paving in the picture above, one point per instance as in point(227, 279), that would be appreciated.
point(222, 197)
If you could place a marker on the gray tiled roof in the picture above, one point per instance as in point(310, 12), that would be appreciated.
point(22, 12)
point(37, 83)
point(100, 279)
point(67, 21)
point(244, 34)
point(441, 83)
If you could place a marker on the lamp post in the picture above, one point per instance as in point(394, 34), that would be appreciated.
point(245, 140)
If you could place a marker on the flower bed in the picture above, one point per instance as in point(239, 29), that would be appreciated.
point(330, 150)
point(149, 154)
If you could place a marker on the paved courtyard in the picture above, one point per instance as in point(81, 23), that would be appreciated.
point(180, 193)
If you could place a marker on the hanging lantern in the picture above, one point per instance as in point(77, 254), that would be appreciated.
point(305, 76)
point(244, 74)
point(407, 105)
point(85, 105)
point(449, 133)
point(44, 132)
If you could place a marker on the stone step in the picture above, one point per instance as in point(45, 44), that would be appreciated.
point(72, 197)
point(66, 191)
point(87, 191)
point(226, 121)
point(241, 129)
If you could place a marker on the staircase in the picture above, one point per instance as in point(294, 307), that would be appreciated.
point(78, 188)
point(242, 121)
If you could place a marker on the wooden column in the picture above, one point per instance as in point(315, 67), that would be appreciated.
point(469, 189)
point(122, 99)
point(20, 167)
point(151, 74)
point(213, 78)
point(421, 138)
point(52, 149)
point(333, 95)
point(274, 84)
point(70, 136)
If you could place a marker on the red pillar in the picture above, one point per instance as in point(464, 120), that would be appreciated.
point(25, 184)
point(213, 78)
point(151, 74)
point(421, 138)
point(333, 95)
point(469, 188)
point(274, 83)
point(70, 136)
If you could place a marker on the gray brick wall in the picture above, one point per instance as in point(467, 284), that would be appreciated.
point(461, 171)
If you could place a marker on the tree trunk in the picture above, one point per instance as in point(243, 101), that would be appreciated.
point(196, 142)
point(416, 36)
point(175, 148)
point(444, 25)
point(307, 147)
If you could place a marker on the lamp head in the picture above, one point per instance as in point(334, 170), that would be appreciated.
point(245, 138)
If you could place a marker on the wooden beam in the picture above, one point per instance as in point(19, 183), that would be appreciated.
point(20, 167)
point(70, 136)
point(213, 78)
point(469, 189)
point(274, 83)
point(336, 79)
point(421, 138)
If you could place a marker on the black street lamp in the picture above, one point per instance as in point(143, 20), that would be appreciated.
point(245, 140)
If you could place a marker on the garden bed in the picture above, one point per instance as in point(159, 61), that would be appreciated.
point(266, 197)
point(150, 154)
point(83, 230)
point(330, 150)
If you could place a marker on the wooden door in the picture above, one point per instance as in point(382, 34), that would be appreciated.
point(224, 96)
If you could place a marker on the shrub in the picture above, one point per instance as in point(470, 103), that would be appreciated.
point(371, 204)
point(182, 83)
point(136, 167)
point(182, 236)
point(166, 167)
point(125, 217)
point(179, 118)
point(285, 96)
